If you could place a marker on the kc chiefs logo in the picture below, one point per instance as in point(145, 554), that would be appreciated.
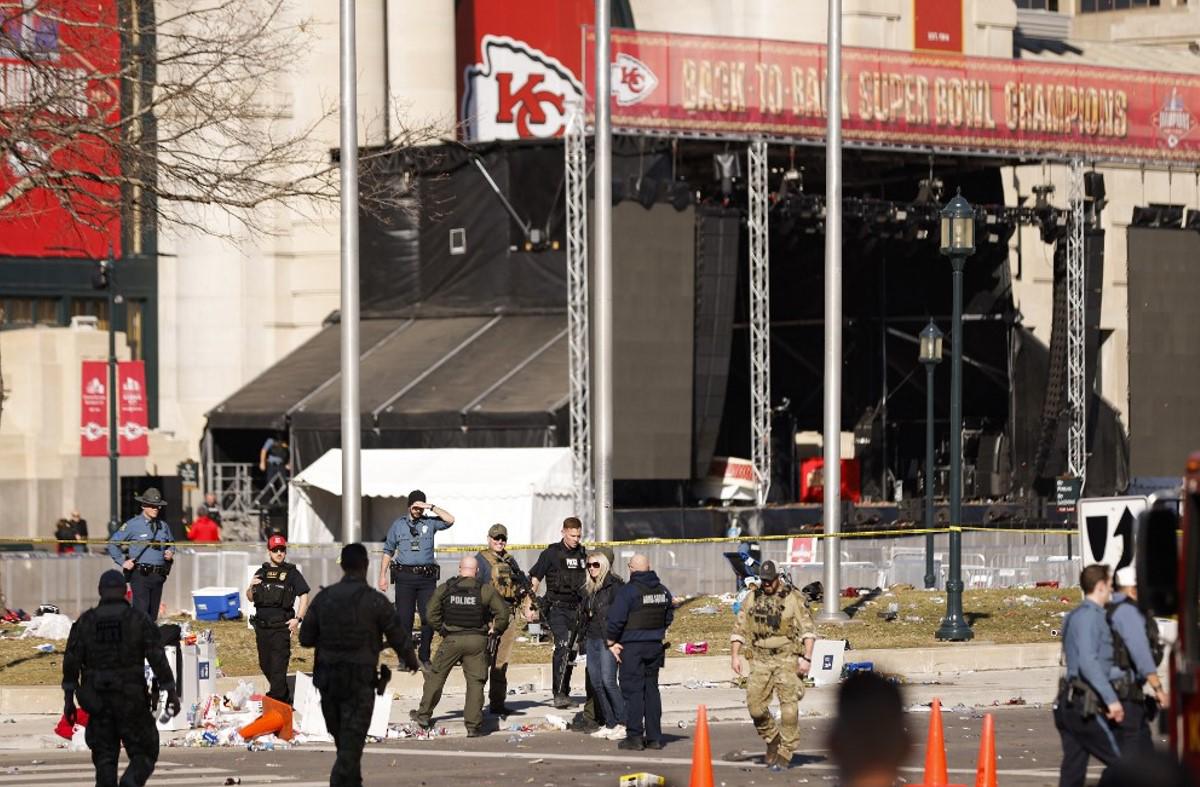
point(516, 92)
point(632, 80)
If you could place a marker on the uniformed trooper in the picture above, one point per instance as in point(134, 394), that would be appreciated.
point(1087, 712)
point(495, 566)
point(276, 587)
point(144, 549)
point(641, 612)
point(348, 623)
point(1138, 651)
point(104, 669)
point(776, 627)
point(411, 564)
point(464, 611)
point(563, 565)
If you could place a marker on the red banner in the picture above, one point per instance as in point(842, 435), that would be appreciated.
point(93, 421)
point(59, 100)
point(740, 87)
point(132, 415)
point(938, 25)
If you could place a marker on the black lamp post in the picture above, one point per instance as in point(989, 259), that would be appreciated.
point(105, 279)
point(958, 243)
point(931, 356)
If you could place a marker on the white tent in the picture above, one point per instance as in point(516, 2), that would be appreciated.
point(527, 489)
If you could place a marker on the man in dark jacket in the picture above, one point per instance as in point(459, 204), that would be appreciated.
point(562, 567)
point(103, 667)
point(641, 613)
point(347, 623)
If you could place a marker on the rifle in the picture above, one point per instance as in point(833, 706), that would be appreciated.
point(580, 625)
point(493, 647)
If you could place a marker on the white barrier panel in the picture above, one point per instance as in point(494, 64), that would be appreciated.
point(312, 721)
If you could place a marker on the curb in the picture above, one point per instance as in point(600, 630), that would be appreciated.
point(911, 664)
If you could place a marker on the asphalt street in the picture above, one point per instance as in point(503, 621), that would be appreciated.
point(1027, 745)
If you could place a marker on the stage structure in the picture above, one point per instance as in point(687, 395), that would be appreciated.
point(1077, 388)
point(760, 322)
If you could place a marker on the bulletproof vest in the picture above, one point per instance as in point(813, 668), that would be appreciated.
point(570, 570)
point(502, 574)
point(112, 640)
point(652, 613)
point(766, 614)
point(1121, 655)
point(278, 451)
point(274, 592)
point(341, 619)
point(462, 605)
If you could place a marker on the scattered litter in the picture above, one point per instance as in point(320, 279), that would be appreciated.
point(524, 688)
point(641, 780)
point(538, 761)
point(48, 626)
point(913, 619)
point(693, 683)
point(692, 648)
point(233, 780)
point(706, 610)
point(46, 648)
point(555, 721)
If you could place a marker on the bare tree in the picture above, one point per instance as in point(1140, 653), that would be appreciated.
point(158, 111)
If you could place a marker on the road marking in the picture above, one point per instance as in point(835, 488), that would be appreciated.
point(35, 773)
point(645, 760)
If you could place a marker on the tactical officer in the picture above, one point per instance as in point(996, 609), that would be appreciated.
point(778, 629)
point(564, 567)
point(1138, 651)
point(495, 566)
point(641, 613)
point(144, 548)
point(464, 611)
point(413, 568)
point(274, 590)
point(103, 667)
point(348, 623)
point(1087, 711)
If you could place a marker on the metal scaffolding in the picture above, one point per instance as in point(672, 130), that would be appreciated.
point(1076, 338)
point(577, 314)
point(760, 325)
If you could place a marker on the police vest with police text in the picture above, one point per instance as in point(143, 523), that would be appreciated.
point(462, 606)
point(570, 571)
point(274, 592)
point(652, 613)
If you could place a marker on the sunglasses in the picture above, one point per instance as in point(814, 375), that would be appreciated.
point(500, 538)
point(279, 549)
point(593, 565)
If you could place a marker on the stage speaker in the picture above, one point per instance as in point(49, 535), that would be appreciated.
point(1093, 186)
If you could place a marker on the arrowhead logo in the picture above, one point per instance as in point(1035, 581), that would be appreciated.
point(517, 92)
point(1125, 531)
point(632, 80)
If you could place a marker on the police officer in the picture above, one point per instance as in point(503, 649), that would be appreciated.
point(144, 548)
point(464, 611)
point(1138, 651)
point(641, 613)
point(777, 628)
point(495, 566)
point(274, 590)
point(1087, 711)
point(103, 667)
point(411, 564)
point(563, 566)
point(348, 623)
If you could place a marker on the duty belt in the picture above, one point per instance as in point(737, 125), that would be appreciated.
point(429, 570)
point(761, 649)
point(145, 569)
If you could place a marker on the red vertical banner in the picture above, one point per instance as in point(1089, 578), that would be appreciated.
point(93, 421)
point(938, 25)
point(132, 415)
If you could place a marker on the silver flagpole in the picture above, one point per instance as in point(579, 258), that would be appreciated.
point(602, 422)
point(351, 436)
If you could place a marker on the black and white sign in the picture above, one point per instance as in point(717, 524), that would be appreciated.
point(1108, 529)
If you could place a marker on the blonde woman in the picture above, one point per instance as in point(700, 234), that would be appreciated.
point(598, 590)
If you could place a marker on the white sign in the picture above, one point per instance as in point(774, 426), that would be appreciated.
point(312, 721)
point(827, 658)
point(1108, 529)
point(517, 92)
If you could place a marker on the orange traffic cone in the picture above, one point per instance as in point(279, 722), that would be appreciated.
point(702, 773)
point(276, 717)
point(935, 752)
point(985, 771)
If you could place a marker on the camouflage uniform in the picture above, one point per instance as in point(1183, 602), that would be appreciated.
point(508, 581)
point(773, 627)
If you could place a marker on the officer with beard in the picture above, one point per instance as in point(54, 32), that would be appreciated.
point(103, 667)
point(347, 623)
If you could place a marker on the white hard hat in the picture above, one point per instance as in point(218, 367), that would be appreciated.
point(1127, 577)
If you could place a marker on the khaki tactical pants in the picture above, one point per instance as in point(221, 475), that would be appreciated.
point(498, 674)
point(775, 674)
point(470, 650)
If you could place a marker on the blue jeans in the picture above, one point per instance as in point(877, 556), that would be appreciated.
point(602, 672)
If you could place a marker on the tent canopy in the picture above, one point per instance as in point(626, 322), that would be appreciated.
point(527, 489)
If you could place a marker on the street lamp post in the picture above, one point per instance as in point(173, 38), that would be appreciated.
point(958, 243)
point(105, 279)
point(931, 356)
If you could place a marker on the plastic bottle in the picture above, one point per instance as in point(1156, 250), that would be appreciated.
point(692, 648)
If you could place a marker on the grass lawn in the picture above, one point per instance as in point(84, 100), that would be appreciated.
point(1001, 616)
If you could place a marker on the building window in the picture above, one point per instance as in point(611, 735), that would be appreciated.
point(95, 307)
point(1093, 6)
point(1038, 5)
point(134, 311)
point(20, 312)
